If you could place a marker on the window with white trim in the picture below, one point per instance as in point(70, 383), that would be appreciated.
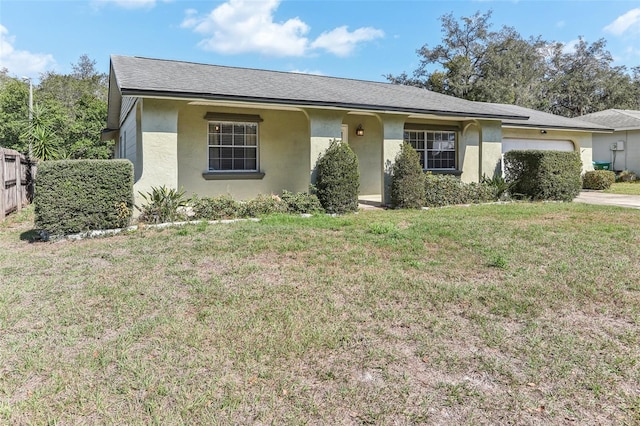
point(233, 146)
point(436, 148)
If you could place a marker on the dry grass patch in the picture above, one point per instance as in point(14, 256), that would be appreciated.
point(516, 314)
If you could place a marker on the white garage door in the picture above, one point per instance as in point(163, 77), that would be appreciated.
point(509, 144)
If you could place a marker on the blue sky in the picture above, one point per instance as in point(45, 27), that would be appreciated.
point(349, 38)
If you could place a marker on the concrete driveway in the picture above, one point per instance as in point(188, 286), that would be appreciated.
point(602, 198)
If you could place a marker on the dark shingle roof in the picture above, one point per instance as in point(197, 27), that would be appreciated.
point(137, 76)
point(539, 119)
point(618, 119)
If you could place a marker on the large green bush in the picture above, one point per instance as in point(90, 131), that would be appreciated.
point(543, 175)
point(407, 185)
point(338, 179)
point(598, 179)
point(83, 195)
point(443, 190)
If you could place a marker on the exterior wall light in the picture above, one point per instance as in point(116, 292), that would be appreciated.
point(359, 130)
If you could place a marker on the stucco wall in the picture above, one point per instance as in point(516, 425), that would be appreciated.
point(127, 140)
point(480, 149)
point(283, 151)
point(368, 149)
point(628, 159)
point(157, 163)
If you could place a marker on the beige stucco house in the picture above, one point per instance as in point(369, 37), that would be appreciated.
point(622, 147)
point(216, 130)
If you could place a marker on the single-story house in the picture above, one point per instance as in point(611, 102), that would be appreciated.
point(622, 147)
point(216, 130)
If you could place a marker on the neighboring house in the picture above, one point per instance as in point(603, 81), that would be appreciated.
point(622, 147)
point(216, 130)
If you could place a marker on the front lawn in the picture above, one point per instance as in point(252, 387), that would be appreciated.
point(491, 314)
point(627, 188)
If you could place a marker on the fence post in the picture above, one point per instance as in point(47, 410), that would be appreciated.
point(18, 182)
point(3, 207)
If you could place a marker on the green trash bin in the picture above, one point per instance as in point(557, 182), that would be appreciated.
point(601, 165)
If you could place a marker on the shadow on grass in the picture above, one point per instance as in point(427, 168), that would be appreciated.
point(32, 236)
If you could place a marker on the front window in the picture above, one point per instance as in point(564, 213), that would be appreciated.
point(233, 146)
point(436, 149)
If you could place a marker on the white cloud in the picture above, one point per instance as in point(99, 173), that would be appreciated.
point(313, 72)
point(630, 21)
point(241, 26)
point(570, 46)
point(341, 42)
point(22, 62)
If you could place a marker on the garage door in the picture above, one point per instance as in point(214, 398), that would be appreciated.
point(509, 144)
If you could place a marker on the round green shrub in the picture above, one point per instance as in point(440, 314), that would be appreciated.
point(338, 179)
point(407, 185)
point(598, 179)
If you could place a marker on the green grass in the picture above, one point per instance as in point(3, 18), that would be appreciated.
point(627, 188)
point(493, 314)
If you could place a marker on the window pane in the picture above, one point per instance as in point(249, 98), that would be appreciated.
point(226, 139)
point(238, 164)
point(226, 128)
point(251, 164)
point(226, 164)
point(226, 152)
point(238, 139)
point(251, 129)
point(251, 139)
point(238, 129)
point(250, 153)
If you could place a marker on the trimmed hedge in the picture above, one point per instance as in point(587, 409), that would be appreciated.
point(444, 190)
point(338, 179)
point(225, 207)
point(407, 185)
point(543, 175)
point(598, 179)
point(83, 195)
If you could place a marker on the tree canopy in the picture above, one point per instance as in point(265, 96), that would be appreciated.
point(473, 62)
point(70, 110)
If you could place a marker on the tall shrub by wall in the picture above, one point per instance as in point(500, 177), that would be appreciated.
point(543, 175)
point(407, 185)
point(82, 195)
point(338, 179)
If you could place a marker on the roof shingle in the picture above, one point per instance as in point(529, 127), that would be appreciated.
point(618, 119)
point(143, 76)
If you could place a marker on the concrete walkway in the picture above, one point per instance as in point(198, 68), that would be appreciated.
point(602, 198)
point(589, 197)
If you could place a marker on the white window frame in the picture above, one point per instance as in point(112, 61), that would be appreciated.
point(233, 146)
point(441, 137)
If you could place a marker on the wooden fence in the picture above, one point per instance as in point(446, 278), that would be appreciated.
point(16, 181)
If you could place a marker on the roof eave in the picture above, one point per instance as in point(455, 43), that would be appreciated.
point(569, 128)
point(379, 108)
